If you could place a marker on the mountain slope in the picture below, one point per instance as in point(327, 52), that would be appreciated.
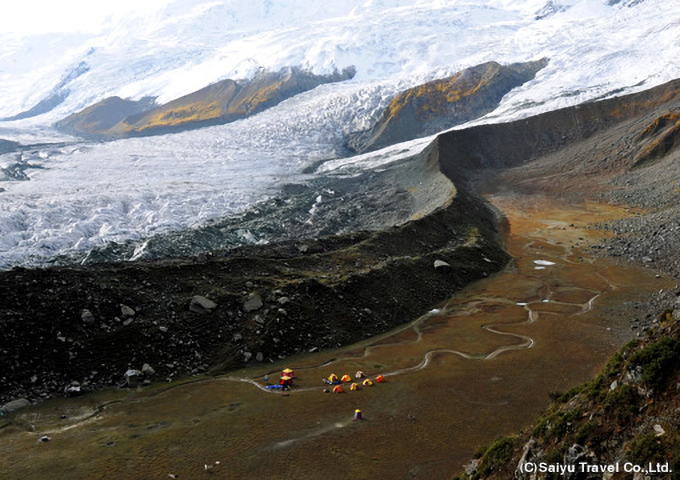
point(625, 419)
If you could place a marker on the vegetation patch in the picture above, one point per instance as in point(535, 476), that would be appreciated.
point(496, 457)
point(646, 448)
point(658, 361)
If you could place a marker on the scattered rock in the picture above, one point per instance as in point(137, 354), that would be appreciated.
point(252, 303)
point(14, 405)
point(633, 376)
point(471, 467)
point(132, 378)
point(126, 311)
point(259, 357)
point(441, 265)
point(148, 371)
point(45, 439)
point(200, 304)
point(87, 316)
point(658, 429)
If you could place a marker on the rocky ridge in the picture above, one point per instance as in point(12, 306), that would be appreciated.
point(216, 104)
point(441, 104)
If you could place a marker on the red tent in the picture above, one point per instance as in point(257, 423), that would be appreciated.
point(338, 389)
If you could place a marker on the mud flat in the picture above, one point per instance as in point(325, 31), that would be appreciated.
point(480, 366)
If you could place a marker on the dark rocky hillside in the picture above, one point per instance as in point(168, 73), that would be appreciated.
point(441, 104)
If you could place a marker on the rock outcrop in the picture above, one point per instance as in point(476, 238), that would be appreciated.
point(216, 104)
point(441, 104)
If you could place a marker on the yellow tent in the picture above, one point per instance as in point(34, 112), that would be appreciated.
point(332, 377)
point(354, 386)
point(368, 382)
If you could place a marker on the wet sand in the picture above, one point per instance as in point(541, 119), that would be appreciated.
point(481, 366)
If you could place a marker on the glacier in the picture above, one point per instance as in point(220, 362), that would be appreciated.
point(60, 194)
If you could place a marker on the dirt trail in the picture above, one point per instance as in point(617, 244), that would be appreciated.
point(478, 366)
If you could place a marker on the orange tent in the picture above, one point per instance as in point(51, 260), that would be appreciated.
point(368, 382)
point(380, 379)
point(346, 378)
point(338, 389)
point(354, 386)
point(332, 377)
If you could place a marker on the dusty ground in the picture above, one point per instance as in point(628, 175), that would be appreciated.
point(480, 367)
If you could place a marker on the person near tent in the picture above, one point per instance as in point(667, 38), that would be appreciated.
point(357, 414)
point(286, 382)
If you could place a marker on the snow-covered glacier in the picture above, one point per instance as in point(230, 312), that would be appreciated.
point(60, 194)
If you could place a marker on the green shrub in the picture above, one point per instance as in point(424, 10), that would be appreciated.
point(646, 447)
point(496, 456)
point(624, 403)
point(658, 361)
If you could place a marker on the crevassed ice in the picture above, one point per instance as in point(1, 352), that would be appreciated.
point(83, 195)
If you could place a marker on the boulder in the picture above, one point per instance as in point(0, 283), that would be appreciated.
point(148, 371)
point(14, 405)
point(441, 265)
point(200, 304)
point(127, 311)
point(252, 303)
point(87, 316)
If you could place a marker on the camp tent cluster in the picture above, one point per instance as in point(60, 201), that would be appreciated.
point(333, 380)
